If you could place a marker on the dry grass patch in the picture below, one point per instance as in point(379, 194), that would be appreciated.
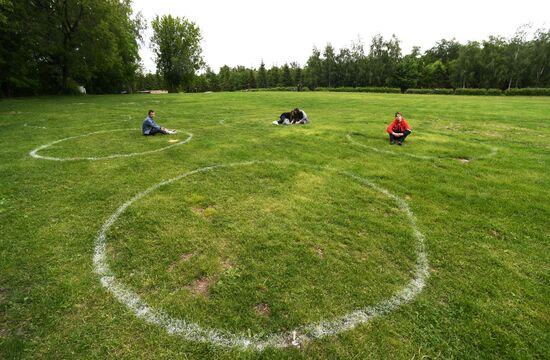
point(183, 258)
point(320, 252)
point(200, 286)
point(262, 309)
point(204, 212)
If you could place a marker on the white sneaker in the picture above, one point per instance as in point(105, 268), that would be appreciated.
point(275, 123)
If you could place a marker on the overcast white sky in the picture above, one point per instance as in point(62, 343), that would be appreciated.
point(243, 32)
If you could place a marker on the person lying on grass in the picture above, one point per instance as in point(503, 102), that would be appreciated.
point(150, 127)
point(398, 129)
point(298, 116)
point(283, 119)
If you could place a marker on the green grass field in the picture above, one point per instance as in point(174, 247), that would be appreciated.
point(293, 229)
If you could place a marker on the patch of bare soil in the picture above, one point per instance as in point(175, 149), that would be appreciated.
point(200, 286)
point(183, 258)
point(226, 264)
point(320, 252)
point(262, 309)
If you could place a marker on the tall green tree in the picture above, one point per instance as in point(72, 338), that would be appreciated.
point(408, 70)
point(359, 61)
point(147, 81)
point(296, 75)
point(286, 79)
point(18, 74)
point(314, 69)
point(176, 45)
point(329, 65)
point(225, 78)
point(212, 80)
point(251, 79)
point(517, 55)
point(382, 60)
point(496, 66)
point(49, 46)
point(262, 76)
point(435, 75)
point(273, 77)
point(540, 58)
point(110, 52)
point(345, 70)
point(239, 78)
point(444, 51)
point(468, 67)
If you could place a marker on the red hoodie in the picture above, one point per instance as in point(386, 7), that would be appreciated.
point(398, 128)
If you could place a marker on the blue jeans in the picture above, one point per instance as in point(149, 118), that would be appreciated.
point(154, 131)
point(400, 138)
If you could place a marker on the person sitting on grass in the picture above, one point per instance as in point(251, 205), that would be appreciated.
point(398, 129)
point(299, 116)
point(283, 119)
point(150, 127)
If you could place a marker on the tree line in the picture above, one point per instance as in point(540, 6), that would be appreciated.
point(496, 63)
point(55, 46)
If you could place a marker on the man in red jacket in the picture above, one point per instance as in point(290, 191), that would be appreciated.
point(398, 129)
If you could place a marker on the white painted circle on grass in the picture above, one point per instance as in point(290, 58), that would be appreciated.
point(34, 126)
point(493, 151)
point(296, 337)
point(34, 153)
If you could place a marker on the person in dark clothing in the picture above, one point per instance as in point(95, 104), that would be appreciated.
point(150, 127)
point(283, 119)
point(398, 129)
point(299, 116)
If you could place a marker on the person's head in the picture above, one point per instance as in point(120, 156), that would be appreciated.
point(398, 116)
point(295, 112)
point(151, 113)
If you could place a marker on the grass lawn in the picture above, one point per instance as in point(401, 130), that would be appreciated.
point(283, 230)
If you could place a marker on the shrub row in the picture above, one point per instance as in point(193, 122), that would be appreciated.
point(492, 92)
point(483, 92)
point(430, 91)
point(528, 92)
point(281, 88)
point(440, 91)
point(361, 89)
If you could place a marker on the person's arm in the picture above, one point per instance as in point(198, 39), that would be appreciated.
point(390, 128)
point(155, 125)
point(293, 119)
point(406, 125)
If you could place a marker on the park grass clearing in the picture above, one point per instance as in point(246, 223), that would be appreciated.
point(282, 241)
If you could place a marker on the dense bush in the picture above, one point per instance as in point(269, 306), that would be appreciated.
point(283, 88)
point(494, 92)
point(528, 92)
point(388, 90)
point(467, 91)
point(361, 89)
point(280, 88)
point(438, 91)
point(419, 91)
point(443, 91)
